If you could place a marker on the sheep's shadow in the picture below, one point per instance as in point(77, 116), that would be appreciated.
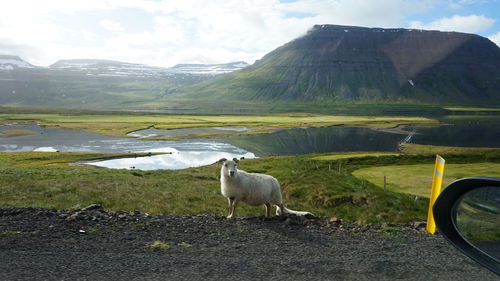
point(288, 228)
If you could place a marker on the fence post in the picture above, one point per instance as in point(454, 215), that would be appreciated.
point(437, 181)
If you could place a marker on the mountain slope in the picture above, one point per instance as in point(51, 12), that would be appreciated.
point(342, 63)
point(96, 84)
point(13, 62)
point(209, 69)
point(117, 68)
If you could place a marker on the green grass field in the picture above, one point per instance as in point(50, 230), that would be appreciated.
point(119, 124)
point(472, 109)
point(417, 179)
point(13, 133)
point(444, 150)
point(326, 184)
point(325, 187)
point(344, 155)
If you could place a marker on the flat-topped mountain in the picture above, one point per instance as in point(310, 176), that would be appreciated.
point(329, 64)
point(343, 63)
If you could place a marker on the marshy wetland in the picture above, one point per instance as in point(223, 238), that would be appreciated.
point(185, 143)
point(313, 156)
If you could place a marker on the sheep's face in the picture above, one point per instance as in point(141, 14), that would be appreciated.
point(229, 167)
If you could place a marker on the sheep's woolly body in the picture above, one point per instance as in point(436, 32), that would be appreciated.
point(253, 189)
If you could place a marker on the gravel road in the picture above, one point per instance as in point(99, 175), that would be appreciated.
point(94, 244)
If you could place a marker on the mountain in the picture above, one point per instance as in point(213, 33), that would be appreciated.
point(109, 68)
point(97, 84)
point(334, 63)
point(117, 68)
point(13, 62)
point(209, 69)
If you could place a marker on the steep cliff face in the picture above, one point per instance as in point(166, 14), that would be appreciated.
point(335, 63)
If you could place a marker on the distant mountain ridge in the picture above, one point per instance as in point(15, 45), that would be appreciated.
point(117, 68)
point(330, 64)
point(13, 62)
point(97, 84)
point(333, 63)
point(214, 69)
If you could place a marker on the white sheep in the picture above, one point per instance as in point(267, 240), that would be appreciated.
point(251, 188)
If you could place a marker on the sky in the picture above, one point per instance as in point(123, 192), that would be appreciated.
point(168, 32)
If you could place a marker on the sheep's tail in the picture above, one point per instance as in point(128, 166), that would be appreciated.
point(285, 210)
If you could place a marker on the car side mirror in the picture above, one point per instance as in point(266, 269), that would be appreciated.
point(467, 214)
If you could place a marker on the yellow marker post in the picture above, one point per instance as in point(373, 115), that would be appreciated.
point(437, 181)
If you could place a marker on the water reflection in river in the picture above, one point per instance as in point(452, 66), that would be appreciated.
point(182, 154)
point(482, 131)
point(461, 131)
point(173, 161)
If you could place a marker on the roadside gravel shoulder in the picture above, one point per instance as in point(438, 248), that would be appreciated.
point(96, 244)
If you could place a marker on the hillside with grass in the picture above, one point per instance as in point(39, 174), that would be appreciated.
point(96, 84)
point(332, 64)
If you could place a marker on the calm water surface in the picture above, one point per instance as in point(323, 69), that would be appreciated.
point(457, 131)
point(182, 154)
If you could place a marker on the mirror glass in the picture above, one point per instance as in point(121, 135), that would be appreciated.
point(478, 219)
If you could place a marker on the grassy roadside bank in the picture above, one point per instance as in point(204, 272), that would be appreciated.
point(325, 187)
point(416, 179)
point(120, 124)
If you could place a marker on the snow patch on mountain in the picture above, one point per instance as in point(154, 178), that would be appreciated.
point(124, 69)
point(13, 62)
point(95, 67)
point(208, 69)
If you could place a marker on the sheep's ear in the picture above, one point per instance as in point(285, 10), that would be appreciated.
point(236, 160)
point(222, 160)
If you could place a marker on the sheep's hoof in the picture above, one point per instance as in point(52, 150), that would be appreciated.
point(310, 216)
point(230, 217)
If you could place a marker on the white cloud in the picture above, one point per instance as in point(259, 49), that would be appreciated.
point(469, 24)
point(89, 36)
point(382, 13)
point(218, 31)
point(495, 38)
point(461, 3)
point(111, 25)
point(168, 32)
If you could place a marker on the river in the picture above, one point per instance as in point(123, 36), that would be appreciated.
point(477, 131)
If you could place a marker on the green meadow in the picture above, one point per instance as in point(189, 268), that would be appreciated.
point(13, 133)
point(120, 124)
point(322, 184)
point(417, 179)
point(342, 185)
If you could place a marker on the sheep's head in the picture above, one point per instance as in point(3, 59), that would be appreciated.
point(229, 167)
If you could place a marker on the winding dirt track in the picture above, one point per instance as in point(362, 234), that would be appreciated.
point(94, 244)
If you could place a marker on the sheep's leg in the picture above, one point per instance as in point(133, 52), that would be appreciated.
point(232, 207)
point(230, 203)
point(281, 209)
point(268, 209)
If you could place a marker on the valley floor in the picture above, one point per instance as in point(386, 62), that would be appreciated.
point(94, 244)
point(121, 124)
